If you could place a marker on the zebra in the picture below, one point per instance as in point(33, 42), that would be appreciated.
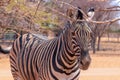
point(61, 58)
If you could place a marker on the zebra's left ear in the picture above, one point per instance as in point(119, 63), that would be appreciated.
point(79, 14)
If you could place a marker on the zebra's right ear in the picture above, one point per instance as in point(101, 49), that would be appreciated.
point(67, 25)
point(91, 13)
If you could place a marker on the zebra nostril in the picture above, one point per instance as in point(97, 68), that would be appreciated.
point(84, 62)
point(84, 65)
point(81, 63)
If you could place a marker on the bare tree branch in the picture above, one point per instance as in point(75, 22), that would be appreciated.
point(103, 22)
point(60, 13)
point(71, 1)
point(37, 7)
point(73, 7)
point(97, 22)
point(85, 16)
point(114, 8)
point(108, 10)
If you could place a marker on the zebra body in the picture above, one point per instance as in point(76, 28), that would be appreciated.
point(33, 60)
point(61, 58)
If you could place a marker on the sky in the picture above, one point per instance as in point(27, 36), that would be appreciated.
point(116, 3)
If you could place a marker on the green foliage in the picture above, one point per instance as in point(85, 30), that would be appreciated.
point(118, 31)
point(20, 5)
point(43, 17)
point(113, 31)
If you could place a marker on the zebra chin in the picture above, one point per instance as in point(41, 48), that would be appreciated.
point(84, 66)
point(85, 63)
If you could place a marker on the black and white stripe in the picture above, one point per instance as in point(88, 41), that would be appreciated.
point(61, 58)
point(33, 58)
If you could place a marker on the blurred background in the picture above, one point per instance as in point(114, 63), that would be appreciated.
point(46, 18)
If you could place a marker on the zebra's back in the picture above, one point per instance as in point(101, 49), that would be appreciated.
point(24, 56)
point(61, 58)
point(33, 58)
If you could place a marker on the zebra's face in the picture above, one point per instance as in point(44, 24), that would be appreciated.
point(82, 38)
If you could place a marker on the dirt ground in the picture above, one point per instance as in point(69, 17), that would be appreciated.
point(105, 63)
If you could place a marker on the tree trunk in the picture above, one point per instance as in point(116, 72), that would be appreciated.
point(118, 39)
point(93, 44)
point(108, 35)
point(98, 45)
point(94, 51)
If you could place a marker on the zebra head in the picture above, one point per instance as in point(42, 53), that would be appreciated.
point(81, 37)
point(81, 40)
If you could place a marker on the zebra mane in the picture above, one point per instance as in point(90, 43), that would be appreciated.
point(67, 25)
point(74, 24)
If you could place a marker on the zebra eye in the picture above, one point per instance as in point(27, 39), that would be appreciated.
point(77, 25)
point(73, 33)
point(81, 24)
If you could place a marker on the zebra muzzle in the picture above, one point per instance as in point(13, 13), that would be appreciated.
point(85, 61)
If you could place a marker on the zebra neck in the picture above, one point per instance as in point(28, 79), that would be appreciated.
point(63, 60)
point(66, 38)
point(66, 52)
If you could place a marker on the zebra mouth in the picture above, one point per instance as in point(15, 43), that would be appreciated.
point(84, 65)
point(81, 63)
point(84, 60)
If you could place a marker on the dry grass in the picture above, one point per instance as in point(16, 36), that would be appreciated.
point(100, 78)
point(103, 68)
point(105, 64)
point(5, 73)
